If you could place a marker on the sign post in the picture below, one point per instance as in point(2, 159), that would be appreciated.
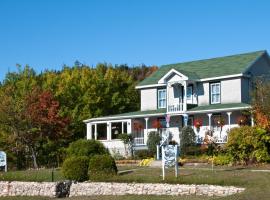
point(3, 160)
point(170, 158)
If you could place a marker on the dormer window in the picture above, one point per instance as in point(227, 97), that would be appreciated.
point(215, 93)
point(162, 98)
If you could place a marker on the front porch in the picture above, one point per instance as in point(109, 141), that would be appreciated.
point(217, 122)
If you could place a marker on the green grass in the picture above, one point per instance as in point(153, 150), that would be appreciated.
point(31, 175)
point(257, 184)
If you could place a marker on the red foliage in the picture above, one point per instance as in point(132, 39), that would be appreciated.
point(43, 112)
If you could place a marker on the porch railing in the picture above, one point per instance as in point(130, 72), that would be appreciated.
point(176, 107)
point(139, 141)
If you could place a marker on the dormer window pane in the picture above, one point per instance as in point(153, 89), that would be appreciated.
point(162, 98)
point(215, 93)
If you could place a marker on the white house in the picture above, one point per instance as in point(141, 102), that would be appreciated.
point(210, 93)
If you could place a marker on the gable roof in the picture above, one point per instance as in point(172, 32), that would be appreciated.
point(209, 68)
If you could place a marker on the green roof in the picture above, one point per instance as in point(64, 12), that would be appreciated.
point(219, 106)
point(215, 67)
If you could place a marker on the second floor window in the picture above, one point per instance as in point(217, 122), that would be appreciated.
point(215, 93)
point(162, 98)
point(189, 92)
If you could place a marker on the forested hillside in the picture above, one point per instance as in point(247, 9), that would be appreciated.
point(41, 113)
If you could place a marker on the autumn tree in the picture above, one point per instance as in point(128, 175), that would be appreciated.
point(261, 103)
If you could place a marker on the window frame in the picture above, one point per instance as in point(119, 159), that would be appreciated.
point(211, 93)
point(164, 99)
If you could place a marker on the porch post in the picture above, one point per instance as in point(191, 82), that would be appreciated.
point(145, 135)
point(95, 131)
point(252, 121)
point(229, 119)
point(209, 120)
point(89, 131)
point(185, 119)
point(109, 132)
point(185, 96)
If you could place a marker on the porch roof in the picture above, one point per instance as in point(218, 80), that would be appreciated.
point(160, 112)
point(129, 115)
point(219, 107)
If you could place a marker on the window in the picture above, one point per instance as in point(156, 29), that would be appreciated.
point(162, 98)
point(215, 93)
point(189, 92)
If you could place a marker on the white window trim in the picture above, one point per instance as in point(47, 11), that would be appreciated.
point(165, 98)
point(219, 92)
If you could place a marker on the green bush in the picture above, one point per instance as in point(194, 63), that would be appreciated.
point(154, 139)
point(83, 147)
point(76, 168)
point(101, 166)
point(142, 154)
point(187, 139)
point(223, 159)
point(248, 144)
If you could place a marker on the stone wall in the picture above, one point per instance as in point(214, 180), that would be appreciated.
point(28, 189)
point(99, 188)
point(64, 189)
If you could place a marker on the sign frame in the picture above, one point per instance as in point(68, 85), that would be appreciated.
point(3, 160)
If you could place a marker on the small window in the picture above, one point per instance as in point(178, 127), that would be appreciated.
point(189, 92)
point(215, 93)
point(162, 98)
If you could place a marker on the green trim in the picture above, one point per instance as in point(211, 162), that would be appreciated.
point(209, 68)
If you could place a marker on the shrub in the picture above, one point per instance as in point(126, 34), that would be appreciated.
point(152, 142)
point(142, 154)
point(128, 141)
point(223, 159)
point(247, 144)
point(187, 139)
point(83, 147)
point(102, 165)
point(76, 168)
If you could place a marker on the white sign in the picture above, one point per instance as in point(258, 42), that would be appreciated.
point(170, 158)
point(3, 160)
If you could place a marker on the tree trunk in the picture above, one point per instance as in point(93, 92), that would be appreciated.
point(34, 157)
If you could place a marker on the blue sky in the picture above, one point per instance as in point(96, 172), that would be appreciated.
point(47, 34)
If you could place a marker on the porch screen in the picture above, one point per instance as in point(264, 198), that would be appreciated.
point(116, 129)
point(102, 131)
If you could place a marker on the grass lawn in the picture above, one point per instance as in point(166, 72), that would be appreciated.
point(257, 184)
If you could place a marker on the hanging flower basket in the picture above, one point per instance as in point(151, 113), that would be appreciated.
point(242, 120)
point(197, 123)
point(219, 121)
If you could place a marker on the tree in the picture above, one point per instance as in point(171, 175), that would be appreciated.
point(260, 103)
point(43, 121)
point(187, 139)
point(153, 140)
